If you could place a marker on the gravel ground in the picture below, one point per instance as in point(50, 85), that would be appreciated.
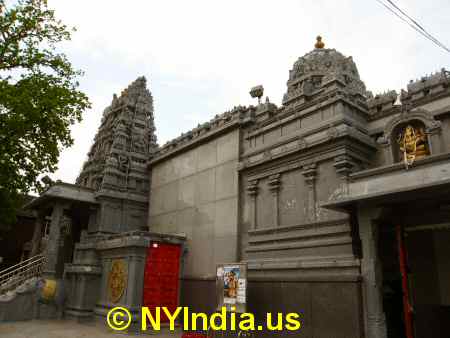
point(66, 329)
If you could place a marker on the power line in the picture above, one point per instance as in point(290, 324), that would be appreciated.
point(418, 25)
point(414, 25)
point(404, 20)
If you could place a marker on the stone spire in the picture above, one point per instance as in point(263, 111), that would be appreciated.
point(320, 73)
point(123, 144)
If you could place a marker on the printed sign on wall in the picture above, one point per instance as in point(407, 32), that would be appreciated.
point(232, 286)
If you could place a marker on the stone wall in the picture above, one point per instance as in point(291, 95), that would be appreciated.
point(196, 193)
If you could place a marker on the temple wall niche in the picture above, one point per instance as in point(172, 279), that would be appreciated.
point(196, 193)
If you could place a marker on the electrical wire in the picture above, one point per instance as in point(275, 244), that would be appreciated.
point(418, 25)
point(414, 25)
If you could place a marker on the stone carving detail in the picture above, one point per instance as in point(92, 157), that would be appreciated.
point(126, 136)
point(319, 67)
point(436, 80)
point(302, 144)
point(124, 163)
point(274, 183)
point(344, 165)
point(252, 188)
point(65, 225)
point(332, 133)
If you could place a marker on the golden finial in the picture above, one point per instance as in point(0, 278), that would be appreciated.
point(319, 44)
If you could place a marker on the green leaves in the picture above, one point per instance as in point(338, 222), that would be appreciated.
point(39, 99)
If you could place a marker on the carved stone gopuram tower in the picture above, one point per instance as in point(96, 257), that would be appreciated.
point(116, 164)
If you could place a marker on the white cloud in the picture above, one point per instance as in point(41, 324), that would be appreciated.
point(202, 57)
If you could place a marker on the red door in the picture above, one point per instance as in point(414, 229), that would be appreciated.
point(161, 278)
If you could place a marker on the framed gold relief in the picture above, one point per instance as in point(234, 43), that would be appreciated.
point(117, 280)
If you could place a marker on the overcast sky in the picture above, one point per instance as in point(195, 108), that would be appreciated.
point(201, 58)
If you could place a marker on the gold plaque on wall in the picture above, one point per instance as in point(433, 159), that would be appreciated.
point(117, 280)
point(49, 289)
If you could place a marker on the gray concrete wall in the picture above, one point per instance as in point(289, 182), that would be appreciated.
point(196, 193)
point(326, 309)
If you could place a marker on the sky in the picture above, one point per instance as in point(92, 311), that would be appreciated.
point(201, 57)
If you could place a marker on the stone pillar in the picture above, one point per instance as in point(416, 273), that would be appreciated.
point(435, 140)
point(274, 187)
point(309, 172)
point(53, 246)
point(37, 234)
point(387, 150)
point(252, 191)
point(93, 219)
point(375, 321)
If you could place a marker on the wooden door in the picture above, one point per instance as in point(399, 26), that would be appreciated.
point(161, 278)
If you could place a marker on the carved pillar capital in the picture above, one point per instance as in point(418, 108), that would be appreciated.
point(309, 172)
point(274, 183)
point(252, 188)
point(434, 128)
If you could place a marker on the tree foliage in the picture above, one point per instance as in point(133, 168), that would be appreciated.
point(39, 98)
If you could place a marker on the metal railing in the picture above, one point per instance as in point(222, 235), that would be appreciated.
point(12, 277)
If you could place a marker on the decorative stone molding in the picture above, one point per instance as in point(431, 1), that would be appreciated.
point(274, 183)
point(302, 143)
point(332, 133)
point(252, 191)
point(274, 187)
point(309, 172)
point(252, 188)
point(432, 129)
point(422, 115)
point(344, 165)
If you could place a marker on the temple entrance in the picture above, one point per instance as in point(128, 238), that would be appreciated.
point(423, 287)
point(161, 278)
point(392, 282)
point(428, 251)
point(73, 221)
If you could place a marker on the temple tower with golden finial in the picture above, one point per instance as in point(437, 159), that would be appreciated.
point(323, 70)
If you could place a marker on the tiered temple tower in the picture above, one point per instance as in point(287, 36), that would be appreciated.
point(116, 164)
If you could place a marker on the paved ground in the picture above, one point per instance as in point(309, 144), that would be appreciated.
point(64, 329)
